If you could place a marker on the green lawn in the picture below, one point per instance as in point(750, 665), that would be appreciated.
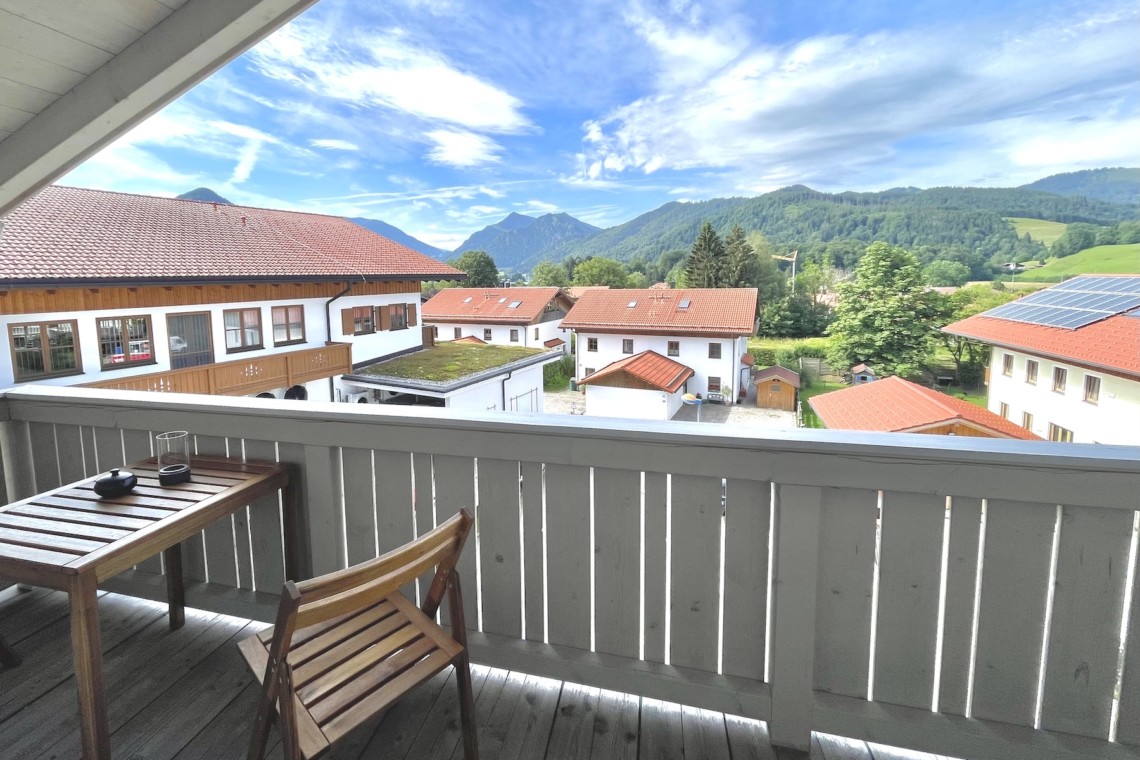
point(818, 387)
point(449, 361)
point(1038, 229)
point(1103, 259)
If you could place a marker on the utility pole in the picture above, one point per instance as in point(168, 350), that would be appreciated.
point(792, 258)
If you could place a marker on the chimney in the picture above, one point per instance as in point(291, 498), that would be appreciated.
point(243, 221)
point(214, 204)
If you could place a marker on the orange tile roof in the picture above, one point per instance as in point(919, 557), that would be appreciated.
point(470, 339)
point(649, 367)
point(554, 343)
point(70, 234)
point(491, 305)
point(710, 311)
point(1112, 344)
point(896, 405)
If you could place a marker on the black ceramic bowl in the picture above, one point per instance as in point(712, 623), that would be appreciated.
point(117, 483)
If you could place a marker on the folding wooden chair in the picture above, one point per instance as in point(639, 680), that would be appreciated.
point(348, 645)
point(8, 656)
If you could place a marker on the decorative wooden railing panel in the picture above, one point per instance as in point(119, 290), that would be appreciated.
point(920, 592)
point(243, 376)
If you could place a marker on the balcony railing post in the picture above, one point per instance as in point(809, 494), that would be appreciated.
point(795, 572)
point(15, 449)
point(323, 510)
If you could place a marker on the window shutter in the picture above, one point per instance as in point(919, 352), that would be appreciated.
point(385, 318)
point(411, 315)
point(347, 324)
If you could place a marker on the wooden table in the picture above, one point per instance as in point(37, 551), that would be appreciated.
point(70, 539)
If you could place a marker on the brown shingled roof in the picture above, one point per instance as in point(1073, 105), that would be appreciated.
point(689, 311)
point(649, 367)
point(491, 305)
point(900, 406)
point(67, 234)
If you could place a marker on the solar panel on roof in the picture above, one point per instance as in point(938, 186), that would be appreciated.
point(1074, 303)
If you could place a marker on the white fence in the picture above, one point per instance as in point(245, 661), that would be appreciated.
point(966, 597)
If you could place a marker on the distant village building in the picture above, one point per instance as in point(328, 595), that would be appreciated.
point(134, 292)
point(776, 388)
point(894, 405)
point(1065, 361)
point(523, 316)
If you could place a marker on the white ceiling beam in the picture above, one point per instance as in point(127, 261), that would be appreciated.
point(182, 50)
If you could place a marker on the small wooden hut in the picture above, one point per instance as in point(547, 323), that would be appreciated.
point(776, 388)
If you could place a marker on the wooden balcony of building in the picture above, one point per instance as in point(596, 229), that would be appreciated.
point(968, 598)
point(243, 377)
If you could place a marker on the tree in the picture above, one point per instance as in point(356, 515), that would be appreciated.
point(480, 268)
point(771, 282)
point(599, 271)
point(946, 274)
point(740, 266)
point(706, 263)
point(885, 315)
point(550, 274)
point(970, 356)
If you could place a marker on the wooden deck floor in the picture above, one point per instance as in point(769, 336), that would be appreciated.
point(187, 695)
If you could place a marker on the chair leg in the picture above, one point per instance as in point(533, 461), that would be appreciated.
point(265, 709)
point(8, 656)
point(467, 708)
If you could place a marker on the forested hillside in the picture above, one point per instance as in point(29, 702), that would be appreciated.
point(1117, 185)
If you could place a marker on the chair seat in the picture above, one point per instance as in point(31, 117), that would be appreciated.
point(350, 668)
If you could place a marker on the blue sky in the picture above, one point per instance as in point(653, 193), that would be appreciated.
point(442, 116)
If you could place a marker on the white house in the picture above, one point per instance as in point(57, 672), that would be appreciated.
point(523, 316)
point(705, 330)
point(141, 293)
point(1065, 361)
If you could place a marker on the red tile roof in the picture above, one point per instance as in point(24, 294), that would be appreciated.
point(554, 343)
point(649, 367)
point(1112, 344)
point(491, 305)
point(71, 234)
point(710, 311)
point(776, 371)
point(470, 339)
point(899, 406)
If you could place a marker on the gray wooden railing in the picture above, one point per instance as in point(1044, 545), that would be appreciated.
point(958, 596)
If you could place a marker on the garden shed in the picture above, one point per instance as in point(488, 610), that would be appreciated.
point(776, 388)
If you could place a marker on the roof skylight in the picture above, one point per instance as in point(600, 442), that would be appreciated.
point(632, 304)
point(514, 304)
point(467, 299)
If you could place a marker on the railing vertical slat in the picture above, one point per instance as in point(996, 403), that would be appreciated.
point(321, 527)
point(136, 447)
point(69, 449)
point(424, 510)
point(45, 461)
point(533, 540)
point(617, 564)
point(1015, 577)
point(910, 572)
point(393, 472)
point(499, 554)
point(19, 478)
point(694, 604)
point(1128, 727)
point(359, 505)
point(846, 576)
point(796, 567)
point(1084, 642)
point(746, 577)
point(568, 554)
point(218, 536)
point(656, 609)
point(454, 490)
point(961, 584)
point(265, 527)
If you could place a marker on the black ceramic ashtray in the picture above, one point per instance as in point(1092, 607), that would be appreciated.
point(117, 483)
point(173, 473)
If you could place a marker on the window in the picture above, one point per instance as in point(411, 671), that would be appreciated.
point(434, 332)
point(397, 317)
point(486, 333)
point(627, 345)
point(124, 341)
point(1031, 372)
point(591, 344)
point(674, 348)
point(714, 385)
point(1092, 389)
point(359, 320)
point(714, 350)
point(589, 371)
point(1027, 420)
point(1007, 365)
point(458, 333)
point(514, 336)
point(1003, 410)
point(536, 333)
point(243, 329)
point(1060, 377)
point(34, 357)
point(1058, 433)
point(288, 325)
point(191, 344)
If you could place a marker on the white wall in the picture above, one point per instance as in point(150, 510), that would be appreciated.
point(694, 353)
point(631, 403)
point(501, 334)
point(1114, 419)
point(523, 386)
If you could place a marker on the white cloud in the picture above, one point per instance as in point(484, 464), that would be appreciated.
point(543, 206)
point(334, 144)
point(247, 159)
point(491, 192)
point(484, 210)
point(461, 148)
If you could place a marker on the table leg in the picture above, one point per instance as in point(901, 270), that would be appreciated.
point(175, 591)
point(289, 520)
point(87, 649)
